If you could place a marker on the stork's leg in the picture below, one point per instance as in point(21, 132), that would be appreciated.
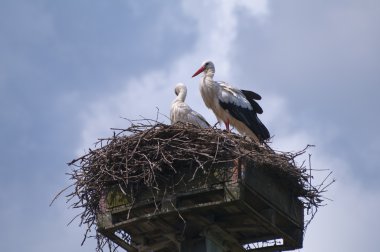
point(227, 123)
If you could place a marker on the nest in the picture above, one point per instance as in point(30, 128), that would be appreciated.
point(147, 152)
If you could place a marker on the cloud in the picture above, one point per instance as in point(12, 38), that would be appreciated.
point(216, 30)
point(347, 222)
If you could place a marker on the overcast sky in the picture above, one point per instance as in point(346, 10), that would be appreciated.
point(69, 70)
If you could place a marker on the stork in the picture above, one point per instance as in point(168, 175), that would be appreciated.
point(231, 105)
point(181, 112)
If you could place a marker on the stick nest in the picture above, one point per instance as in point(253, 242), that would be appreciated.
point(149, 154)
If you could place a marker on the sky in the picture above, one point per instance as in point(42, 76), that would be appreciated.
point(71, 70)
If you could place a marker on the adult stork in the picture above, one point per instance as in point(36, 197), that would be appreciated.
point(181, 112)
point(231, 105)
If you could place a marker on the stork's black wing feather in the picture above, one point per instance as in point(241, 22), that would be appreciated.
point(256, 107)
point(251, 97)
point(249, 118)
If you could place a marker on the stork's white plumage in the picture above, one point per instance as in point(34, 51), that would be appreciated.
point(181, 112)
point(231, 105)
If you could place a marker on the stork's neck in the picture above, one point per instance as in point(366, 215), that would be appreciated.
point(181, 96)
point(209, 73)
point(208, 78)
point(209, 90)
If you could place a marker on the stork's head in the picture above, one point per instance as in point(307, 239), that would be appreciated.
point(207, 67)
point(180, 87)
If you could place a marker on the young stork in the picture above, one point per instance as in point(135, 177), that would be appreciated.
point(231, 105)
point(181, 112)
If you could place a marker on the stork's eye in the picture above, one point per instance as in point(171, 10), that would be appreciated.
point(207, 64)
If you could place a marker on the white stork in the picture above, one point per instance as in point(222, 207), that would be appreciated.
point(231, 105)
point(181, 112)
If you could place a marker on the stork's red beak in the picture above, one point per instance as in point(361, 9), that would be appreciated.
point(200, 70)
